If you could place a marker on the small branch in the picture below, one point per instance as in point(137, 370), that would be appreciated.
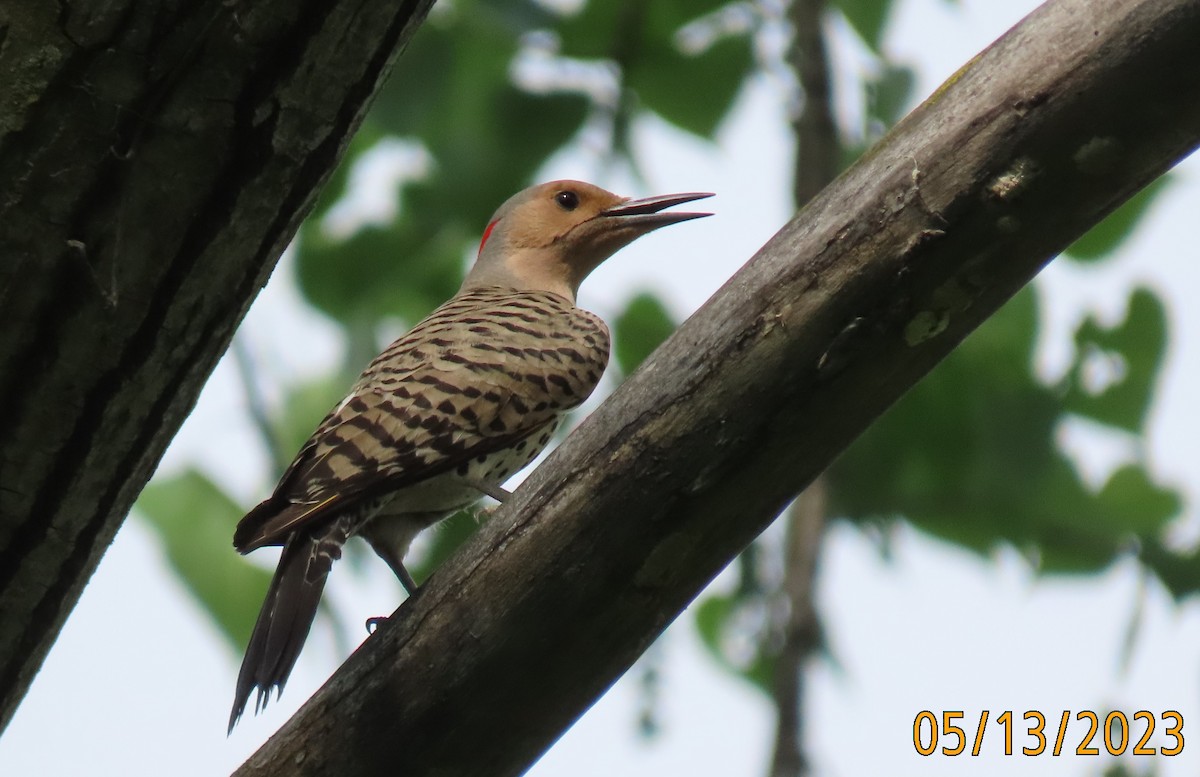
point(818, 150)
point(626, 50)
point(801, 629)
point(256, 405)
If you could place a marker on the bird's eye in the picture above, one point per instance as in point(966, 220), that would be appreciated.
point(567, 200)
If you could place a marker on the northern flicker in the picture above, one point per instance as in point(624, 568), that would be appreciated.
point(448, 411)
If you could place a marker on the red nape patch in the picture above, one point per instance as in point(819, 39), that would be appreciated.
point(487, 233)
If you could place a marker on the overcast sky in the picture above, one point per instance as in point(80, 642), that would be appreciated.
point(140, 682)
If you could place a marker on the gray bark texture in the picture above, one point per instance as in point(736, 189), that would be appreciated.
point(155, 159)
point(877, 279)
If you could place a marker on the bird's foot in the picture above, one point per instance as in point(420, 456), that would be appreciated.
point(374, 623)
point(484, 513)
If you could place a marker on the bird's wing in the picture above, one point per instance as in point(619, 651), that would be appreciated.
point(483, 372)
point(382, 439)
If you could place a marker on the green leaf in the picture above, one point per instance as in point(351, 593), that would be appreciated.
point(1127, 357)
point(606, 30)
point(304, 408)
point(640, 328)
point(719, 616)
point(447, 536)
point(711, 615)
point(412, 97)
point(714, 617)
point(867, 17)
point(761, 672)
point(888, 93)
point(970, 455)
point(1070, 528)
point(1102, 239)
point(1133, 502)
point(486, 138)
point(1179, 572)
point(975, 424)
point(516, 16)
point(396, 269)
point(692, 91)
point(591, 33)
point(195, 520)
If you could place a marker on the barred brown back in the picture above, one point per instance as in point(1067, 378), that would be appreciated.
point(480, 374)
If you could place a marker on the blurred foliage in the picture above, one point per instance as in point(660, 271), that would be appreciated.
point(640, 329)
point(1117, 768)
point(1130, 352)
point(724, 619)
point(867, 18)
point(691, 88)
point(1100, 241)
point(194, 518)
point(970, 455)
point(454, 93)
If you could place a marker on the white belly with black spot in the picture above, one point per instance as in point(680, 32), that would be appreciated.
point(452, 491)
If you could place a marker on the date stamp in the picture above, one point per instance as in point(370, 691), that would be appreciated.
point(1115, 732)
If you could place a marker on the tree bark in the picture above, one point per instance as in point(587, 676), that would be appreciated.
point(852, 302)
point(156, 158)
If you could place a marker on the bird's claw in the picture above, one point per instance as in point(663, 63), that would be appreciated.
point(374, 623)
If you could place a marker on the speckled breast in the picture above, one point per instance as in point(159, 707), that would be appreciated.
point(450, 491)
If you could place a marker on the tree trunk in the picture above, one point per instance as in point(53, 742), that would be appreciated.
point(852, 302)
point(155, 159)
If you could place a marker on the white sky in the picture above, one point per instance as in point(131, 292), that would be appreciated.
point(140, 682)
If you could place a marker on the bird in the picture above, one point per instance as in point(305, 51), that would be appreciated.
point(446, 413)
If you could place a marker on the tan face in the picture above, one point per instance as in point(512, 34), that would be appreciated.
point(556, 210)
point(550, 237)
point(559, 234)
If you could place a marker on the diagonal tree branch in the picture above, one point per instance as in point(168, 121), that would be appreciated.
point(155, 158)
point(846, 307)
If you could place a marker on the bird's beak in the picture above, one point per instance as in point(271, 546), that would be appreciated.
point(645, 213)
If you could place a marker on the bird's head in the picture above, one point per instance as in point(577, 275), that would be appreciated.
point(549, 237)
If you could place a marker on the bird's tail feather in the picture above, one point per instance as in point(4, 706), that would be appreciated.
point(286, 616)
